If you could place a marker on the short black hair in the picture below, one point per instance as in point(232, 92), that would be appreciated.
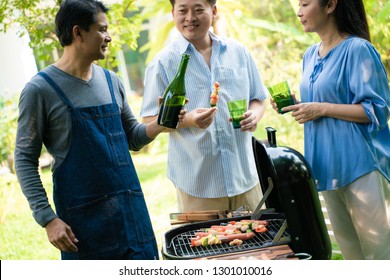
point(211, 2)
point(76, 12)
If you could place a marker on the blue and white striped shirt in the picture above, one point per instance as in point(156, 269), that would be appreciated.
point(217, 161)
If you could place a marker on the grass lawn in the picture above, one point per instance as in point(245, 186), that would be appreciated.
point(21, 238)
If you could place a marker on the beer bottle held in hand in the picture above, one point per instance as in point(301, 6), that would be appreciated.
point(174, 97)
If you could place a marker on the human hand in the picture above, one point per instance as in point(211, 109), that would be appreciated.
point(182, 115)
point(304, 112)
point(200, 117)
point(273, 104)
point(249, 121)
point(61, 236)
point(182, 112)
point(284, 109)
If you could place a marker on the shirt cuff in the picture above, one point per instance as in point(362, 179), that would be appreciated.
point(45, 215)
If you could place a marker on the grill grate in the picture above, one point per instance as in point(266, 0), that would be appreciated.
point(180, 245)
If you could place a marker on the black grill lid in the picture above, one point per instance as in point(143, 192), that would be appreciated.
point(294, 194)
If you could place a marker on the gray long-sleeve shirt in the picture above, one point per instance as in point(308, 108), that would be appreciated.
point(44, 119)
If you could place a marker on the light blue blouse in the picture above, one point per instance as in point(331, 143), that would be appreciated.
point(340, 151)
point(217, 161)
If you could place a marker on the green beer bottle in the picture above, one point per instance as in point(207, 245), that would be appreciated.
point(174, 97)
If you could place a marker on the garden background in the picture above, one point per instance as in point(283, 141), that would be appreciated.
point(140, 28)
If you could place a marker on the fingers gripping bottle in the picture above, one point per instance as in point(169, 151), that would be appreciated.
point(174, 97)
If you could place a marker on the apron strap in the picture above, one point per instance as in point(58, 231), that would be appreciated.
point(109, 81)
point(57, 89)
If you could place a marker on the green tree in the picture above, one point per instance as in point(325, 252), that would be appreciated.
point(36, 17)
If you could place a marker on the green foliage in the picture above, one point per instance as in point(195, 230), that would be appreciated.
point(125, 27)
point(36, 17)
point(7, 195)
point(8, 117)
point(378, 15)
point(156, 13)
point(21, 238)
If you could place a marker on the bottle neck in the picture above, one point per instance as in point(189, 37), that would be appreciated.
point(177, 85)
point(182, 67)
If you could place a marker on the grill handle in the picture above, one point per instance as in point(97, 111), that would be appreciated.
point(271, 135)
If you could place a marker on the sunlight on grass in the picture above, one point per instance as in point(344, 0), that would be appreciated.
point(21, 238)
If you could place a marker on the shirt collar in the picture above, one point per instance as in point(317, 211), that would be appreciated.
point(184, 44)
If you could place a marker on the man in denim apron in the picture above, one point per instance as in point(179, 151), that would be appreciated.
point(79, 111)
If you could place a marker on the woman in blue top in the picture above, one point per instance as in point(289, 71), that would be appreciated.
point(345, 111)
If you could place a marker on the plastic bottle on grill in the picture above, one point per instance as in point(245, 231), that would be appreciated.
point(174, 97)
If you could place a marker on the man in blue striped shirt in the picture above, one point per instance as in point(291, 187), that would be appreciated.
point(210, 163)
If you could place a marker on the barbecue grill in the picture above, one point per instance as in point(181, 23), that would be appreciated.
point(293, 211)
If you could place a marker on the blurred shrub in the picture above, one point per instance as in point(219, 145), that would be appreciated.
point(8, 123)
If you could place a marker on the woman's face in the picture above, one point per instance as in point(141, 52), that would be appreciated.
point(312, 16)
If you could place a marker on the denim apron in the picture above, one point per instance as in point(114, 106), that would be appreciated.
point(96, 189)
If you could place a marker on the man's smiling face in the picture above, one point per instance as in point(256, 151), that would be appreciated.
point(193, 18)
